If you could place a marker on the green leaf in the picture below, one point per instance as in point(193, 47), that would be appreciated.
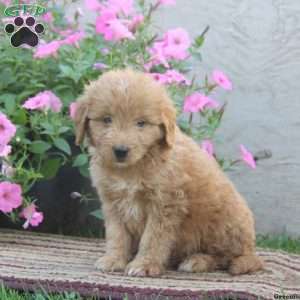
point(67, 70)
point(199, 41)
point(9, 101)
point(97, 213)
point(10, 105)
point(49, 128)
point(39, 147)
point(84, 171)
point(63, 129)
point(80, 160)
point(62, 145)
point(50, 167)
point(4, 96)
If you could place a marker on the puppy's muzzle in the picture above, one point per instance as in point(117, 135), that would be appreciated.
point(121, 152)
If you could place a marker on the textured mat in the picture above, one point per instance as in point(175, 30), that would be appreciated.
point(56, 263)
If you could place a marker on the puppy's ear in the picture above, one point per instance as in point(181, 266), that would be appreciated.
point(81, 120)
point(169, 125)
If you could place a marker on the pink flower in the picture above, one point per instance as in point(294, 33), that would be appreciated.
point(166, 2)
point(105, 51)
point(73, 38)
point(44, 101)
point(48, 17)
point(103, 20)
point(176, 43)
point(72, 110)
point(136, 21)
point(100, 66)
point(247, 157)
point(121, 6)
point(33, 217)
point(6, 2)
point(92, 4)
point(110, 27)
point(161, 78)
point(170, 77)
point(65, 32)
point(158, 56)
point(208, 147)
point(5, 150)
point(45, 50)
point(10, 196)
point(221, 80)
point(175, 77)
point(197, 102)
point(7, 131)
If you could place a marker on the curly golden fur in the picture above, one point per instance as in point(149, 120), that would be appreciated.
point(166, 203)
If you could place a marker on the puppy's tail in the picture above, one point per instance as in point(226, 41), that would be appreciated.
point(245, 264)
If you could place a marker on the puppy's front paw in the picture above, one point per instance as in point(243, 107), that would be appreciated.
point(110, 264)
point(141, 268)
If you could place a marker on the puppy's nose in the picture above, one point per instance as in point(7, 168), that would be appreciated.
point(121, 152)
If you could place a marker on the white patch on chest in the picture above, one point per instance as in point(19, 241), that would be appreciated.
point(128, 204)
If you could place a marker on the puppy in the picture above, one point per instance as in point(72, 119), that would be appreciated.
point(166, 203)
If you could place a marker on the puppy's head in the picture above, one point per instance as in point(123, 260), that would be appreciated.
point(125, 115)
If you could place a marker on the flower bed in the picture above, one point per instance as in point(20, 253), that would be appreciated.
point(39, 88)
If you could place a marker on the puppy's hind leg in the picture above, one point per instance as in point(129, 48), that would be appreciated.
point(245, 264)
point(198, 263)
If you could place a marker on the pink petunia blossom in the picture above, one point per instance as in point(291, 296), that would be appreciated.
point(32, 216)
point(5, 150)
point(166, 2)
point(43, 101)
point(48, 17)
point(197, 102)
point(176, 43)
point(10, 196)
point(45, 50)
point(73, 38)
point(175, 77)
point(170, 77)
point(92, 4)
point(103, 20)
point(221, 80)
point(136, 21)
point(7, 130)
point(208, 147)
point(247, 157)
point(112, 28)
point(159, 77)
point(158, 56)
point(121, 6)
point(72, 110)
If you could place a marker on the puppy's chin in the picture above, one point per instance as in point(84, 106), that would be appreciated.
point(121, 165)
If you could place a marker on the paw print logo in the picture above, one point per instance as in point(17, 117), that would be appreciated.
point(24, 31)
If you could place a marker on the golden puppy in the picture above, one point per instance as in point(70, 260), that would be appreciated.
point(166, 203)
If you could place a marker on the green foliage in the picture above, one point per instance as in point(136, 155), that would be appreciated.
point(282, 242)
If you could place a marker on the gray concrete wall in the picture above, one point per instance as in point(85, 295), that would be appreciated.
point(257, 43)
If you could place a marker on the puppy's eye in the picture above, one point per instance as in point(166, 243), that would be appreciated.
point(141, 123)
point(107, 120)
